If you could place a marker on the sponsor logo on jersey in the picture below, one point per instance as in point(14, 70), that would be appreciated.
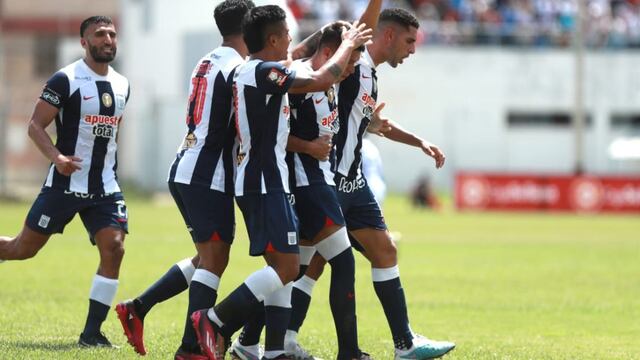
point(104, 131)
point(102, 119)
point(318, 101)
point(277, 77)
point(190, 140)
point(86, 78)
point(349, 186)
point(87, 97)
point(107, 101)
point(369, 105)
point(330, 121)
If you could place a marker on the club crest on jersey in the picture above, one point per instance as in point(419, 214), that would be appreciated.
point(331, 95)
point(277, 77)
point(107, 101)
point(190, 140)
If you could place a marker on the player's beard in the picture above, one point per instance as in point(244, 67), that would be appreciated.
point(102, 58)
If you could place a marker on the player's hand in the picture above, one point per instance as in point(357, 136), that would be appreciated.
point(320, 148)
point(67, 165)
point(433, 151)
point(379, 125)
point(358, 34)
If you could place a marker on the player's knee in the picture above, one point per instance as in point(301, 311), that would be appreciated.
point(385, 254)
point(287, 271)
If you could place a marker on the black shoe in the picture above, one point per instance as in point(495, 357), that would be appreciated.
point(96, 340)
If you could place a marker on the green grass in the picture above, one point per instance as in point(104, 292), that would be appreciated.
point(502, 286)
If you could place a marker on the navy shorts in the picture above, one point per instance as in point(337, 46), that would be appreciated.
point(53, 209)
point(271, 223)
point(209, 214)
point(359, 206)
point(317, 207)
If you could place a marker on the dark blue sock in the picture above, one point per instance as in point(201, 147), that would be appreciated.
point(96, 316)
point(343, 305)
point(391, 297)
point(200, 297)
point(300, 301)
point(169, 285)
point(276, 320)
point(234, 310)
point(253, 328)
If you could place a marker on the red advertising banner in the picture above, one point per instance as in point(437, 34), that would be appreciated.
point(493, 191)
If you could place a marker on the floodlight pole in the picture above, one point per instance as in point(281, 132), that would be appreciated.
point(578, 111)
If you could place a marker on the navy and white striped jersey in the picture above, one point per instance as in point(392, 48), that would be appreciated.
point(207, 154)
point(312, 115)
point(262, 117)
point(91, 108)
point(357, 97)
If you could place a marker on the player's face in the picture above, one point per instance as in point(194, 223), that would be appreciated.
point(100, 40)
point(404, 44)
point(282, 40)
point(351, 65)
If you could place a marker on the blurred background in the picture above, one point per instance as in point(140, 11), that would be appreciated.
point(535, 102)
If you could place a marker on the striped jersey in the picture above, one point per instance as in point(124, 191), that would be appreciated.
point(312, 115)
point(262, 118)
point(357, 95)
point(91, 108)
point(206, 156)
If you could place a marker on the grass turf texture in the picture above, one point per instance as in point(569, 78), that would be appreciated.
point(501, 286)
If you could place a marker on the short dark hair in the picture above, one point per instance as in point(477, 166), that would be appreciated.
point(99, 19)
point(398, 16)
point(259, 23)
point(332, 36)
point(229, 14)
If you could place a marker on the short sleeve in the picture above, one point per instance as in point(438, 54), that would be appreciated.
point(274, 78)
point(56, 90)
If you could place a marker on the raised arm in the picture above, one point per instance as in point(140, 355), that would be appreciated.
point(331, 71)
point(43, 115)
point(371, 14)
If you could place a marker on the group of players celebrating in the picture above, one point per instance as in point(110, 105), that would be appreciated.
point(281, 133)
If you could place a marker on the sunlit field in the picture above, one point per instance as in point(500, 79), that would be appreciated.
point(501, 286)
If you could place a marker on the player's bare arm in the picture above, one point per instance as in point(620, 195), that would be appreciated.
point(331, 72)
point(43, 115)
point(319, 148)
point(389, 129)
point(371, 14)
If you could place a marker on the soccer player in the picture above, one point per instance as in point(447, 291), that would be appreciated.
point(86, 99)
point(262, 117)
point(393, 41)
point(201, 181)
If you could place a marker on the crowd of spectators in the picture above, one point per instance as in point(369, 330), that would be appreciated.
point(607, 23)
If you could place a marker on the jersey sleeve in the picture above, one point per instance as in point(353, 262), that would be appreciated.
point(56, 90)
point(274, 78)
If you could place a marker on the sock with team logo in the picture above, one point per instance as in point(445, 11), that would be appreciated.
point(175, 281)
point(386, 283)
point(101, 295)
point(232, 312)
point(203, 292)
point(277, 314)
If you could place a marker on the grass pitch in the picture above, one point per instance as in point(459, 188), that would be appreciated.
point(501, 286)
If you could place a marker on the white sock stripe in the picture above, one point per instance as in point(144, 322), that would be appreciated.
point(386, 274)
point(211, 314)
point(280, 297)
point(263, 282)
point(207, 278)
point(306, 253)
point(187, 268)
point(305, 284)
point(103, 290)
point(334, 244)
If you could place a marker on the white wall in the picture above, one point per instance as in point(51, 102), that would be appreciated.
point(456, 97)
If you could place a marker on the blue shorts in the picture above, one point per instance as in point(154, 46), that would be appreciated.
point(209, 214)
point(359, 206)
point(317, 207)
point(53, 209)
point(271, 223)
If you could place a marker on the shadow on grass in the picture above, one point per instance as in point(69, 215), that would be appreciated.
point(52, 345)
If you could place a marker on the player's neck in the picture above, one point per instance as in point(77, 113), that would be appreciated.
point(316, 61)
point(97, 67)
point(376, 52)
point(266, 55)
point(237, 43)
